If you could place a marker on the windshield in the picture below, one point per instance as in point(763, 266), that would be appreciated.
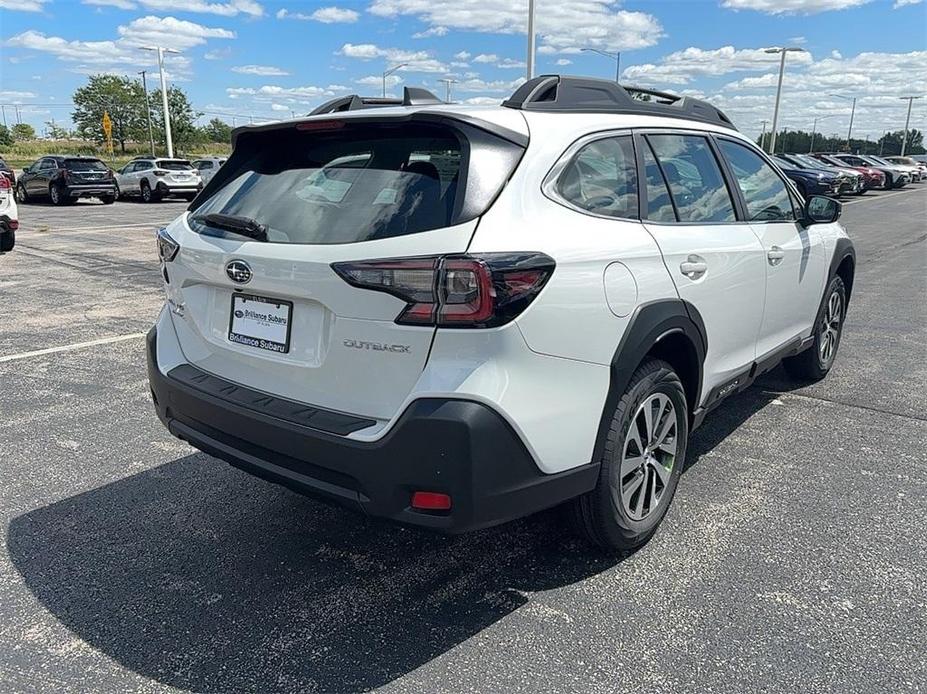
point(876, 160)
point(84, 165)
point(173, 165)
point(355, 184)
point(809, 162)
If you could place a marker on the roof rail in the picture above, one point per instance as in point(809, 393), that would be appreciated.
point(590, 95)
point(411, 96)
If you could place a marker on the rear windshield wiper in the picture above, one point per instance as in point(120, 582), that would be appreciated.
point(236, 224)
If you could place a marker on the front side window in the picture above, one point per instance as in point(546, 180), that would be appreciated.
point(602, 178)
point(766, 194)
point(694, 178)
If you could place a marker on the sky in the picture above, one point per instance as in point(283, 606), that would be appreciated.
point(259, 60)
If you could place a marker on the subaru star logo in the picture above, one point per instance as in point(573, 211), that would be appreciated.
point(239, 271)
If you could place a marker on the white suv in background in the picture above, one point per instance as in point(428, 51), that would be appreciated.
point(153, 179)
point(453, 316)
point(207, 167)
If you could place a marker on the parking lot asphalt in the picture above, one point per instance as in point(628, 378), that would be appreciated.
point(793, 558)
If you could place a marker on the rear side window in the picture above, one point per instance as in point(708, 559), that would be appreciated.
point(694, 178)
point(602, 178)
point(84, 165)
point(766, 194)
point(360, 181)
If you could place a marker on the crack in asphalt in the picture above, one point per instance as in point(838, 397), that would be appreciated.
point(845, 404)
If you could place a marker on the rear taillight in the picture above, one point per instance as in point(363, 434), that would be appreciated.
point(460, 291)
point(4, 182)
point(159, 173)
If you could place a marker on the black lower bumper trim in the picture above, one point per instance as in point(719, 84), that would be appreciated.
point(457, 447)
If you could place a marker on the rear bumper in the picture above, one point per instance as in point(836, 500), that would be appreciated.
point(165, 188)
point(456, 447)
point(91, 191)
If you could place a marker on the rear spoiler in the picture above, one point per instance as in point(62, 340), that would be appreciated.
point(411, 96)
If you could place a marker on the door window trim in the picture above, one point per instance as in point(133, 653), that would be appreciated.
point(551, 180)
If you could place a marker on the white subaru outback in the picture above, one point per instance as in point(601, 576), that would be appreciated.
point(453, 316)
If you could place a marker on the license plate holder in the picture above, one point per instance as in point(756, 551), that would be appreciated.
point(261, 322)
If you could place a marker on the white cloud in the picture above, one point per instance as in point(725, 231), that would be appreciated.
point(792, 6)
point(8, 95)
point(486, 58)
point(262, 70)
point(293, 95)
point(463, 55)
point(377, 81)
point(905, 3)
point(433, 31)
point(507, 63)
point(169, 32)
point(475, 84)
point(119, 4)
point(218, 53)
point(416, 61)
point(564, 61)
point(483, 100)
point(23, 5)
point(683, 66)
point(225, 9)
point(325, 15)
point(565, 26)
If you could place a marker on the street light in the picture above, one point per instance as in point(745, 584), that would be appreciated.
point(616, 56)
point(783, 51)
point(907, 122)
point(814, 128)
point(447, 88)
point(852, 113)
point(167, 113)
point(390, 71)
point(148, 112)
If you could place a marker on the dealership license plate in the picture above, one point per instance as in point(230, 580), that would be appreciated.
point(261, 323)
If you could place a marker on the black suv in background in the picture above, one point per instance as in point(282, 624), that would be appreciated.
point(65, 179)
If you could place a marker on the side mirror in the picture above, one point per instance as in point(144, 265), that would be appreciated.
point(822, 210)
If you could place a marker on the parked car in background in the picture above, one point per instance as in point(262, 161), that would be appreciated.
point(810, 181)
point(9, 215)
point(873, 178)
point(894, 176)
point(910, 171)
point(207, 167)
point(851, 182)
point(64, 179)
point(918, 173)
point(6, 170)
point(155, 178)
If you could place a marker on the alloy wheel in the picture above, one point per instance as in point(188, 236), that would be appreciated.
point(648, 456)
point(55, 194)
point(830, 328)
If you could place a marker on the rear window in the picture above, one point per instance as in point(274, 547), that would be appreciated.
point(358, 182)
point(84, 165)
point(173, 165)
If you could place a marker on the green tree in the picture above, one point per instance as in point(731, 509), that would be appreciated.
point(218, 130)
point(55, 131)
point(890, 143)
point(121, 97)
point(6, 137)
point(184, 132)
point(22, 131)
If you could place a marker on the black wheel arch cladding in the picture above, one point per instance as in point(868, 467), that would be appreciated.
point(652, 323)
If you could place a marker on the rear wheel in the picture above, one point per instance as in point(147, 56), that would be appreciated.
point(7, 240)
point(57, 194)
point(642, 460)
point(108, 199)
point(815, 362)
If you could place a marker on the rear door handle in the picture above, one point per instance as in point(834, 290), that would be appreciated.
point(693, 267)
point(775, 255)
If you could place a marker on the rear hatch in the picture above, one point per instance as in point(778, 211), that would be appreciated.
point(272, 312)
point(83, 171)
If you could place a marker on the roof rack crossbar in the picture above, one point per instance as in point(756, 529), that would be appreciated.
point(588, 95)
point(411, 96)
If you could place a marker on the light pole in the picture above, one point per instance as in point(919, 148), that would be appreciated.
point(814, 128)
point(907, 122)
point(531, 37)
point(447, 88)
point(763, 136)
point(148, 112)
point(852, 114)
point(167, 113)
point(775, 121)
point(388, 72)
point(616, 56)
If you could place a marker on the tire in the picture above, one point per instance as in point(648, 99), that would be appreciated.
point(620, 513)
point(22, 197)
point(7, 241)
point(117, 193)
point(815, 362)
point(108, 199)
point(57, 195)
point(148, 195)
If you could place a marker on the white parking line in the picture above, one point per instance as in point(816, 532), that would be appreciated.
point(68, 348)
point(881, 197)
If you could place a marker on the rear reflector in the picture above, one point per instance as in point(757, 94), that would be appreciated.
point(459, 291)
point(431, 501)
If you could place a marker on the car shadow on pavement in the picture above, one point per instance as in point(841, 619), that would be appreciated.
point(204, 578)
point(201, 577)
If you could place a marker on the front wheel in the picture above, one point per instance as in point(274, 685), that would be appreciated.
point(643, 457)
point(148, 195)
point(815, 362)
point(7, 241)
point(22, 196)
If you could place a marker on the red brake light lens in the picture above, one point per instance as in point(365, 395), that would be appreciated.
point(320, 125)
point(4, 182)
point(455, 291)
point(431, 501)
